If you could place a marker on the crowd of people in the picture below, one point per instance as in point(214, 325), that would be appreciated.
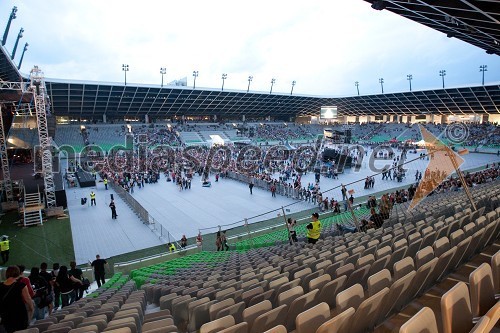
point(42, 291)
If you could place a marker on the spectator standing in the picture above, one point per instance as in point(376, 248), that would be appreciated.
point(41, 290)
point(184, 241)
point(78, 274)
point(291, 228)
point(223, 239)
point(99, 270)
point(56, 289)
point(66, 283)
point(16, 307)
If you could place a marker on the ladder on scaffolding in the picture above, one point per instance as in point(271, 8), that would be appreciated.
point(32, 209)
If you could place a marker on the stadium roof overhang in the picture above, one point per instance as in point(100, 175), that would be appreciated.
point(92, 100)
point(474, 21)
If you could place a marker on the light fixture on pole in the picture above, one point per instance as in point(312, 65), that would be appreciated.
point(195, 75)
point(125, 70)
point(224, 77)
point(409, 77)
point(442, 73)
point(273, 81)
point(19, 36)
point(11, 17)
point(163, 71)
point(250, 78)
point(483, 68)
point(22, 55)
point(293, 85)
point(381, 81)
point(357, 86)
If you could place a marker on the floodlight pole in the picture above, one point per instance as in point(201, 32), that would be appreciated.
point(409, 77)
point(442, 73)
point(7, 28)
point(22, 55)
point(273, 80)
point(381, 81)
point(163, 71)
point(483, 68)
point(125, 69)
point(357, 86)
point(195, 75)
point(224, 77)
point(293, 85)
point(19, 36)
point(250, 78)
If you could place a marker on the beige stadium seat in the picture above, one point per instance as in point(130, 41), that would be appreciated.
point(266, 295)
point(277, 329)
point(379, 264)
point(216, 307)
point(330, 290)
point(217, 325)
point(251, 313)
point(379, 281)
point(29, 330)
point(288, 296)
point(319, 282)
point(403, 267)
point(200, 316)
point(349, 298)
point(424, 256)
point(346, 269)
point(423, 322)
point(399, 294)
point(482, 291)
point(157, 324)
point(495, 268)
point(310, 320)
point(455, 310)
point(120, 330)
point(235, 310)
point(368, 312)
point(365, 260)
point(85, 329)
point(359, 275)
point(122, 323)
point(269, 319)
point(248, 295)
point(238, 328)
point(299, 305)
point(339, 324)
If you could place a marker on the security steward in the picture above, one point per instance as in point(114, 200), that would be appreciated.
point(4, 249)
point(106, 183)
point(171, 247)
point(313, 229)
point(92, 198)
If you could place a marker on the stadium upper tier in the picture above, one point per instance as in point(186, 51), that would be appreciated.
point(109, 135)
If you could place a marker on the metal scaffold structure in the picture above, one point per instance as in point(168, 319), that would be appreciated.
point(38, 89)
point(7, 182)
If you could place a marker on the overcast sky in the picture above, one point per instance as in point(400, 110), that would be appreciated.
point(324, 45)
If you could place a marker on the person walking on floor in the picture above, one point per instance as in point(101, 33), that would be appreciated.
point(113, 209)
point(99, 270)
point(106, 183)
point(250, 186)
point(92, 198)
